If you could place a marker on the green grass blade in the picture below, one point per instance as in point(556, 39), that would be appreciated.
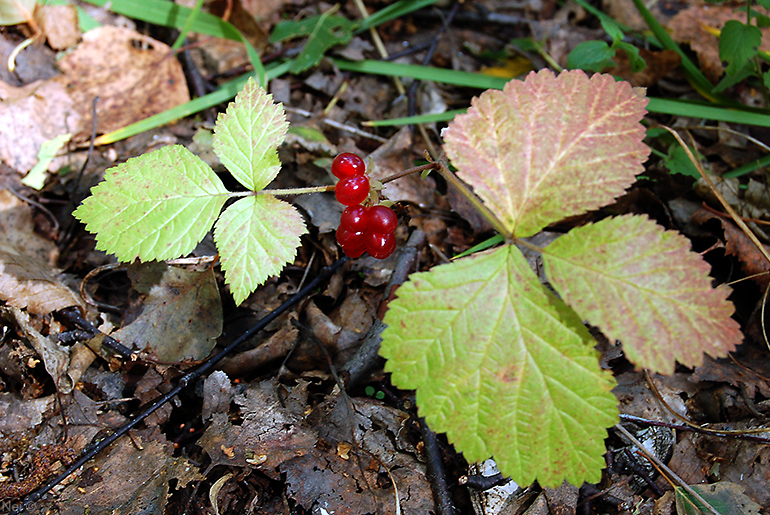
point(708, 112)
point(169, 14)
point(223, 94)
point(187, 26)
point(454, 77)
point(421, 118)
point(393, 11)
point(693, 73)
point(749, 167)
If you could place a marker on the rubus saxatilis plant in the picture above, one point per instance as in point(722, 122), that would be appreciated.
point(161, 204)
point(500, 363)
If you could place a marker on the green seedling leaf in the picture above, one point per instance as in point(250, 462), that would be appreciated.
point(247, 135)
point(738, 43)
point(677, 161)
point(48, 150)
point(636, 60)
point(550, 147)
point(155, 206)
point(725, 497)
point(592, 55)
point(503, 367)
point(641, 284)
point(256, 237)
point(324, 31)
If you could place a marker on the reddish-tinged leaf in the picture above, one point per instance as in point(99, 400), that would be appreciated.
point(641, 284)
point(550, 147)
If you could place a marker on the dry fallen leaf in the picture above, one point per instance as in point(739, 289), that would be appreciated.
point(60, 25)
point(133, 75)
point(690, 26)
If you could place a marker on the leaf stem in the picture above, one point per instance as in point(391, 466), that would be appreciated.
point(296, 191)
point(476, 202)
point(404, 173)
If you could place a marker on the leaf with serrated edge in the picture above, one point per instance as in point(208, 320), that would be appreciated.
point(641, 284)
point(256, 237)
point(247, 135)
point(503, 367)
point(547, 148)
point(156, 206)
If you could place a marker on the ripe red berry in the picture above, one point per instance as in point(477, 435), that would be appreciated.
point(354, 217)
point(353, 190)
point(348, 165)
point(381, 219)
point(347, 237)
point(354, 252)
point(379, 245)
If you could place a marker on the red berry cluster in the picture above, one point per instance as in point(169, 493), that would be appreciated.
point(362, 229)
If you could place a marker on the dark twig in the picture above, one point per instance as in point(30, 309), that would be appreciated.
point(366, 359)
point(436, 472)
point(186, 380)
point(412, 93)
point(73, 316)
point(753, 437)
point(481, 482)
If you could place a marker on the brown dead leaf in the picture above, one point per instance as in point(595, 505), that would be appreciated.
point(659, 64)
point(17, 414)
point(27, 283)
point(753, 262)
point(18, 230)
point(133, 75)
point(60, 25)
point(689, 26)
point(181, 316)
point(395, 156)
point(127, 479)
point(32, 115)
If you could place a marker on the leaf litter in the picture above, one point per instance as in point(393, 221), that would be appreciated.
point(294, 436)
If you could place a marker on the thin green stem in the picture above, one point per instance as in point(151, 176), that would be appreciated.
point(187, 26)
point(296, 191)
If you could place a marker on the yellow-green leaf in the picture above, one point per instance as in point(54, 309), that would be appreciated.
point(156, 206)
point(256, 237)
point(247, 135)
point(503, 367)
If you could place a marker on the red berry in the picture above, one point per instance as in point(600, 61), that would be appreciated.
point(354, 217)
point(379, 245)
point(347, 237)
point(353, 190)
point(381, 219)
point(348, 165)
point(354, 252)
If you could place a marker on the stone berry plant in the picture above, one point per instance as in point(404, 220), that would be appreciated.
point(499, 362)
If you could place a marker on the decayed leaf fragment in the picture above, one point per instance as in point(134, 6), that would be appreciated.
point(550, 147)
point(27, 283)
point(641, 284)
point(503, 367)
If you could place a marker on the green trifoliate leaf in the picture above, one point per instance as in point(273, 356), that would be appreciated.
point(594, 56)
point(641, 284)
point(550, 147)
point(155, 206)
point(503, 367)
point(738, 43)
point(256, 237)
point(247, 135)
